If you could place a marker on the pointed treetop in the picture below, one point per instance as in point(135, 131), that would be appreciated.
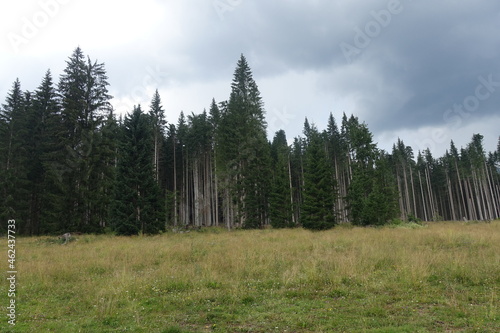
point(243, 85)
point(214, 113)
point(332, 125)
point(280, 138)
point(14, 98)
point(156, 110)
point(307, 128)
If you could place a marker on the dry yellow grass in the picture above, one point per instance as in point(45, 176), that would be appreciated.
point(441, 277)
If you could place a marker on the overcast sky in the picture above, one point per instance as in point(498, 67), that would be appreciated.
point(425, 71)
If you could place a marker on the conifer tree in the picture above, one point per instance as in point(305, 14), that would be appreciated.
point(297, 176)
point(243, 151)
point(214, 119)
point(157, 115)
point(361, 156)
point(85, 106)
point(319, 186)
point(14, 158)
point(281, 197)
point(381, 203)
point(44, 153)
point(336, 150)
point(138, 206)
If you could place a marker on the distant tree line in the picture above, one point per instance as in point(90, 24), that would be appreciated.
point(68, 164)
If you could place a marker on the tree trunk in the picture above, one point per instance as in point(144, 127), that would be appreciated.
point(413, 192)
point(450, 195)
point(423, 198)
point(291, 189)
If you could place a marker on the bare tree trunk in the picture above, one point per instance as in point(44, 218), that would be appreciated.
point(492, 200)
point(473, 214)
point(453, 215)
point(156, 157)
point(291, 189)
point(196, 192)
point(216, 191)
point(400, 196)
point(423, 198)
point(407, 193)
point(429, 189)
point(461, 189)
point(413, 192)
point(175, 186)
point(477, 195)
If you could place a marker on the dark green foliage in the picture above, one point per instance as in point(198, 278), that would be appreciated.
point(243, 154)
point(381, 203)
point(138, 207)
point(85, 106)
point(362, 155)
point(372, 196)
point(158, 122)
point(14, 161)
point(319, 186)
point(280, 202)
point(44, 152)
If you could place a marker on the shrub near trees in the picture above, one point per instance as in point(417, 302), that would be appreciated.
point(67, 164)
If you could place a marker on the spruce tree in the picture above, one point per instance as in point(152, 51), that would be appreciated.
point(336, 150)
point(381, 203)
point(281, 197)
point(138, 205)
point(361, 156)
point(85, 106)
point(14, 184)
point(157, 115)
point(319, 185)
point(243, 151)
point(44, 153)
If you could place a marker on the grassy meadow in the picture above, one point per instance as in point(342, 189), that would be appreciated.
point(444, 277)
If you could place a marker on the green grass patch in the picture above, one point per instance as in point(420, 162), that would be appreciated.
point(442, 277)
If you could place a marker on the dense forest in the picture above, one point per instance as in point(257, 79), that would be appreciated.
point(69, 164)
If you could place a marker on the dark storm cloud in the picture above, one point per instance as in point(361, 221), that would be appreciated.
point(427, 58)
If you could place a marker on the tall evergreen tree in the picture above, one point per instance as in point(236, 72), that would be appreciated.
point(297, 176)
point(243, 150)
point(44, 152)
point(281, 197)
point(138, 205)
point(319, 185)
point(157, 115)
point(85, 107)
point(381, 204)
point(14, 117)
point(362, 154)
point(337, 153)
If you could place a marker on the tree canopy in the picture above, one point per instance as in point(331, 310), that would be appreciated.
point(68, 164)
